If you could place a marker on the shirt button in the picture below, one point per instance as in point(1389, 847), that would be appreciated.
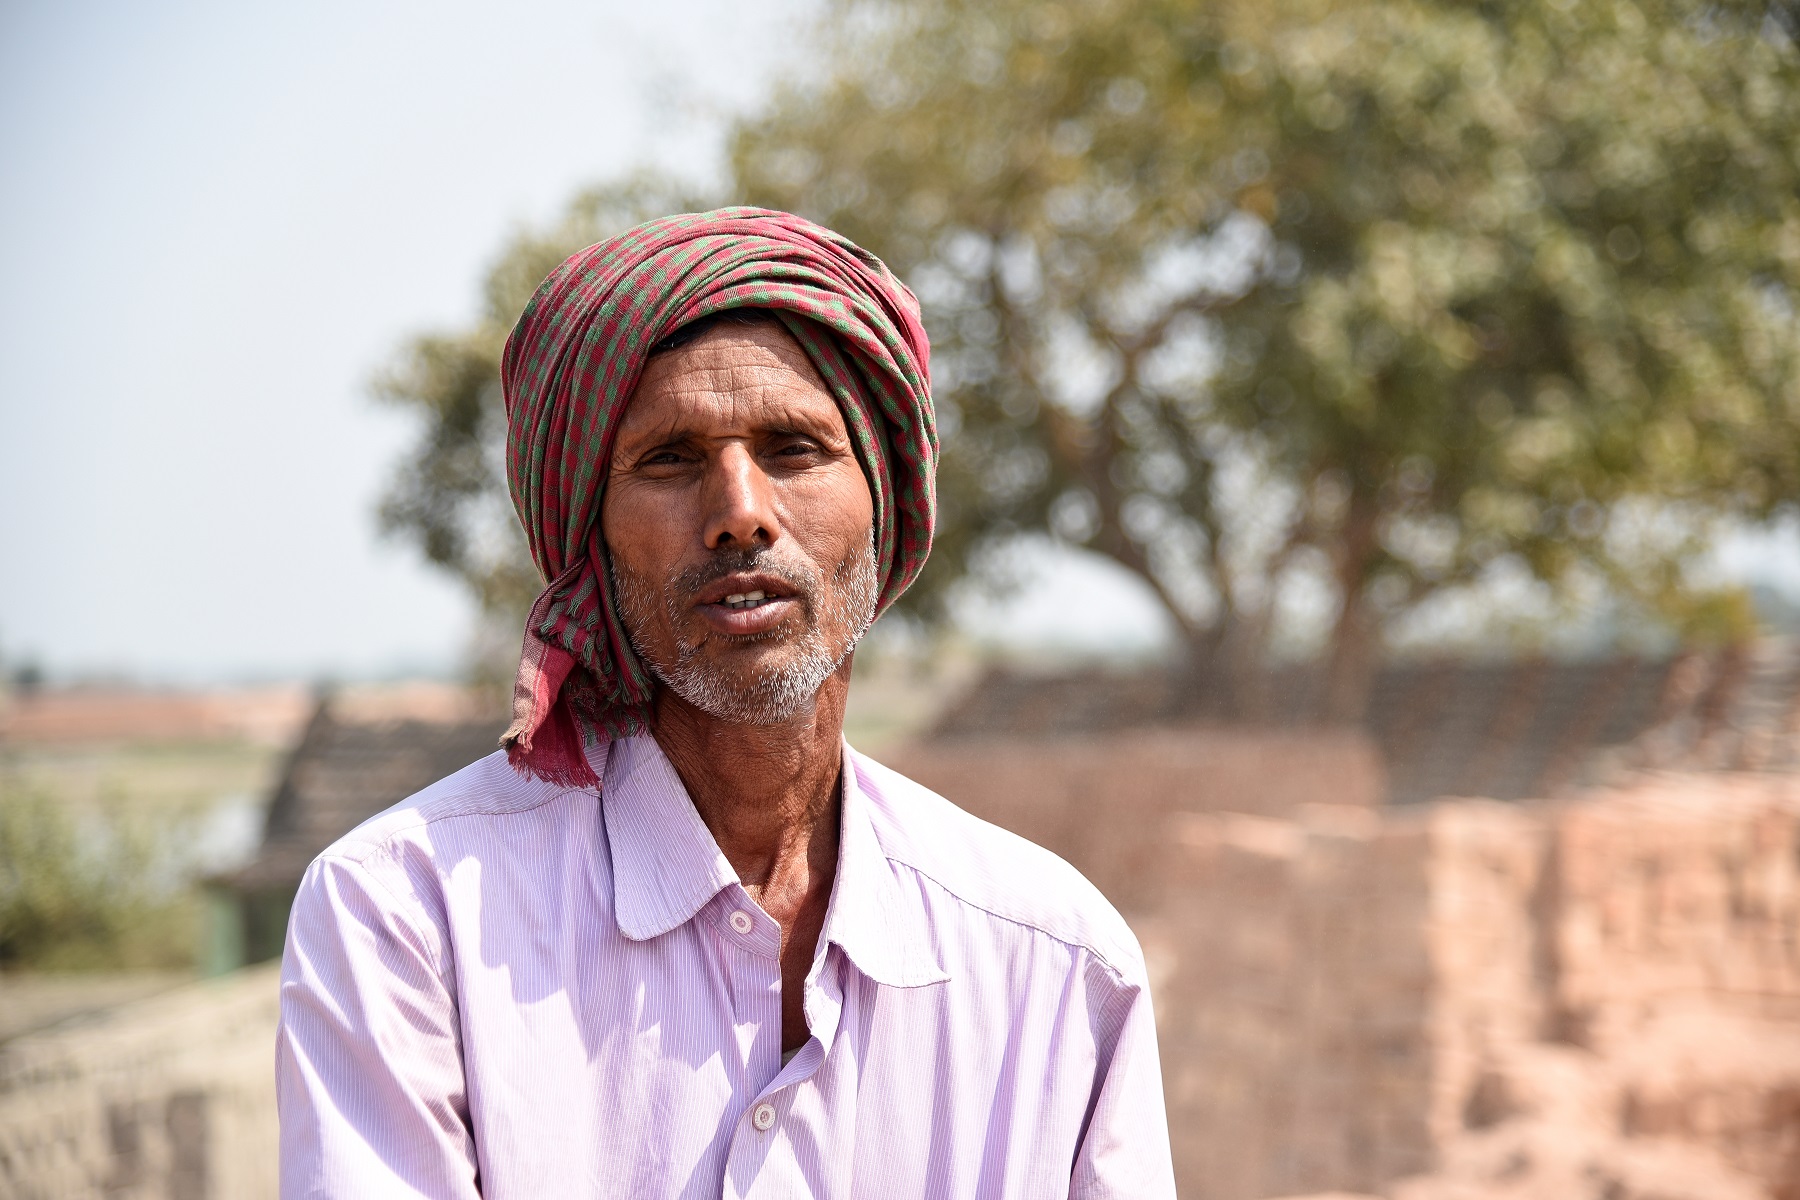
point(763, 1116)
point(740, 921)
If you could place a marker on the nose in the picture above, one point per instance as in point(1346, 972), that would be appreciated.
point(740, 502)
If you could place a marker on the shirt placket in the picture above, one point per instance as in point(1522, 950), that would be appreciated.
point(757, 1164)
point(752, 945)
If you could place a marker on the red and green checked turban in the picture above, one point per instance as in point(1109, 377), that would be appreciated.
point(570, 368)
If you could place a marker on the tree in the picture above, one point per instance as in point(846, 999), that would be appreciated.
point(1374, 296)
point(1369, 303)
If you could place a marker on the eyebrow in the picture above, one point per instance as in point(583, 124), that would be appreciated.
point(787, 422)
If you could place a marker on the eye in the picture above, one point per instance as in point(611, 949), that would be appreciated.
point(666, 456)
point(795, 445)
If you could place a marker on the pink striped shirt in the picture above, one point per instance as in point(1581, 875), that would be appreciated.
point(508, 989)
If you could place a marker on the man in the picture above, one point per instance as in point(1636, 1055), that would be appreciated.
point(688, 943)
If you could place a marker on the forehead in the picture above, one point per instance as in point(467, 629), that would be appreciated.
point(733, 377)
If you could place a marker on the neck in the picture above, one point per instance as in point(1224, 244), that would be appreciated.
point(767, 793)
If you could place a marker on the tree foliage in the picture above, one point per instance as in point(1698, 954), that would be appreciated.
point(1364, 303)
point(1373, 297)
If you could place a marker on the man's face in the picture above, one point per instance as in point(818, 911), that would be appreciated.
point(740, 525)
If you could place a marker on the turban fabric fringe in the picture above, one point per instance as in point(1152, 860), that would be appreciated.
point(570, 367)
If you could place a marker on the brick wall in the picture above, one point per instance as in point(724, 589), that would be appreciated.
point(1293, 997)
point(171, 1098)
point(1101, 801)
point(1472, 1000)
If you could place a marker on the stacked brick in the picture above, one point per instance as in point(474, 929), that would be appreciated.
point(1470, 1001)
point(171, 1098)
point(1295, 1025)
point(1104, 801)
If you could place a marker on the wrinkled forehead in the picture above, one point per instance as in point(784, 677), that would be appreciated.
point(729, 378)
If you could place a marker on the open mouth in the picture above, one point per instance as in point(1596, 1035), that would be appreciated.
point(747, 603)
point(743, 600)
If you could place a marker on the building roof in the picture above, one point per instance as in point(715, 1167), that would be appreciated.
point(347, 767)
point(88, 715)
point(1507, 731)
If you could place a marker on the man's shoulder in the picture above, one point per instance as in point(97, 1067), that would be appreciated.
point(993, 869)
point(488, 788)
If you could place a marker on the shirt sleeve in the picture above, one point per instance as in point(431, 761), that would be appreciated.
point(1125, 1148)
point(369, 1077)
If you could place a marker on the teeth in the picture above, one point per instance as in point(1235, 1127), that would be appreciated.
point(743, 599)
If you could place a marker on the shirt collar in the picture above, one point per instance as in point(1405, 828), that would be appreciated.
point(874, 921)
point(667, 867)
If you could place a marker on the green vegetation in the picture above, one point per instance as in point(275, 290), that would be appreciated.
point(100, 849)
point(89, 894)
point(1301, 311)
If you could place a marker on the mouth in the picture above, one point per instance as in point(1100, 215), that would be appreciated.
point(745, 604)
point(743, 600)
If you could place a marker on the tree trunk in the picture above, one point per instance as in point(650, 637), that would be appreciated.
point(1226, 670)
point(1355, 640)
point(1350, 669)
point(1244, 664)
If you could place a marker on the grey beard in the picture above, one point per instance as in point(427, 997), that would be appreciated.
point(773, 694)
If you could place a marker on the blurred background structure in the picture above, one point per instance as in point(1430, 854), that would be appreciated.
point(1376, 424)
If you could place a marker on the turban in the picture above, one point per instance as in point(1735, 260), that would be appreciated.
point(570, 367)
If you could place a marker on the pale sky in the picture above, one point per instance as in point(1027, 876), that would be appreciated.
point(217, 220)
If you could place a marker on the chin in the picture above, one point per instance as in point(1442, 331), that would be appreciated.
point(766, 688)
point(748, 705)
